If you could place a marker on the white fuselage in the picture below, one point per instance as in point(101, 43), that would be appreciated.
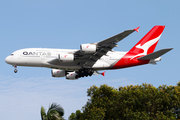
point(41, 57)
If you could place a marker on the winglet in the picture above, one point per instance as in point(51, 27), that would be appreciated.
point(103, 73)
point(137, 29)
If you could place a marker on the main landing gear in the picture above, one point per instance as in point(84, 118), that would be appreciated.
point(15, 70)
point(84, 73)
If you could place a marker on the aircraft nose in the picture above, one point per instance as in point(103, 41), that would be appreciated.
point(8, 60)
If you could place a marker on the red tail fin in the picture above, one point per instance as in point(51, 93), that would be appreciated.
point(148, 43)
point(145, 46)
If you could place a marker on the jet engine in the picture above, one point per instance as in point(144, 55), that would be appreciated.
point(88, 48)
point(66, 57)
point(72, 76)
point(58, 73)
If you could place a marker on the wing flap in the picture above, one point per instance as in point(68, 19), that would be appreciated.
point(155, 55)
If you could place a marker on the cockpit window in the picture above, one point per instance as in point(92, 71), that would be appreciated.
point(12, 54)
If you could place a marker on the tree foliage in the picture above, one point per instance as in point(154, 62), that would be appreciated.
point(131, 102)
point(55, 112)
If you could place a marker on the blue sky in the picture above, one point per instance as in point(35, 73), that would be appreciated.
point(67, 24)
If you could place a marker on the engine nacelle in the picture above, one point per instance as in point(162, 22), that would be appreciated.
point(66, 57)
point(58, 73)
point(88, 48)
point(72, 76)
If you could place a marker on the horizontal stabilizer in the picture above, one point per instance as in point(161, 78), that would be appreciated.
point(155, 55)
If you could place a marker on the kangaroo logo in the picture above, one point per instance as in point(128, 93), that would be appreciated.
point(87, 46)
point(65, 56)
point(146, 46)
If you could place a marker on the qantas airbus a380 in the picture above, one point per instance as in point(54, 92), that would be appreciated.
point(91, 57)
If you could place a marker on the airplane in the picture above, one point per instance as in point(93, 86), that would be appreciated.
point(92, 57)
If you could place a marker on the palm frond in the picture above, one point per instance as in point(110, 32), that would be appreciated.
point(55, 110)
point(43, 113)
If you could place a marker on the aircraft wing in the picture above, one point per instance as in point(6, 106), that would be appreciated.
point(88, 60)
point(114, 39)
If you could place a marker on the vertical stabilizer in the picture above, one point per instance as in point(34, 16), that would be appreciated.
point(148, 43)
point(144, 47)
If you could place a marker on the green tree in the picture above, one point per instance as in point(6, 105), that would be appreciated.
point(55, 112)
point(75, 116)
point(132, 102)
point(72, 116)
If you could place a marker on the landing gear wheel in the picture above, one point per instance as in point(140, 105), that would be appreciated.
point(85, 72)
point(15, 71)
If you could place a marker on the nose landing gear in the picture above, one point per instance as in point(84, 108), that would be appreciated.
point(15, 71)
